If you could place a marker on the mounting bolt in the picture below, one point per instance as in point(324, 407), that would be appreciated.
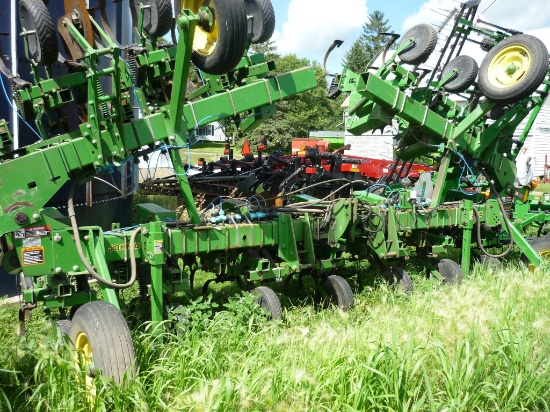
point(75, 268)
point(57, 238)
point(100, 157)
point(86, 237)
point(57, 270)
point(94, 141)
point(172, 138)
point(144, 231)
point(36, 216)
point(21, 218)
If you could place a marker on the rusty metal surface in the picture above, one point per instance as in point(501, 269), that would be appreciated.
point(76, 14)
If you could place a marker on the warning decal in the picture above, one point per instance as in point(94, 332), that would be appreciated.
point(37, 231)
point(32, 255)
point(158, 246)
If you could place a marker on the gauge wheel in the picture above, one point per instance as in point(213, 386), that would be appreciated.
point(102, 341)
point(425, 40)
point(157, 16)
point(220, 40)
point(339, 292)
point(398, 278)
point(489, 262)
point(42, 44)
point(513, 69)
point(450, 271)
point(263, 19)
point(467, 70)
point(542, 247)
point(268, 300)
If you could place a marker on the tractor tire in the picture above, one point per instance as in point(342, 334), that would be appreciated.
point(467, 69)
point(157, 19)
point(43, 47)
point(496, 112)
point(339, 291)
point(268, 300)
point(100, 335)
point(219, 50)
point(425, 40)
point(398, 278)
point(263, 19)
point(542, 247)
point(489, 262)
point(450, 271)
point(513, 69)
point(63, 327)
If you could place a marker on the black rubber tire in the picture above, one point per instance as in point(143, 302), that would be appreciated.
point(496, 112)
point(487, 44)
point(425, 41)
point(398, 278)
point(542, 247)
point(467, 69)
point(157, 20)
point(232, 38)
point(450, 271)
point(43, 47)
point(489, 262)
point(339, 291)
point(63, 327)
point(268, 300)
point(263, 23)
point(109, 338)
point(530, 80)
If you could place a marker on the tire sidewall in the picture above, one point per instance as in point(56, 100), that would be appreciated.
point(232, 38)
point(530, 81)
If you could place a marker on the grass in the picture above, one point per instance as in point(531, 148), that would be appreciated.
point(479, 346)
point(475, 347)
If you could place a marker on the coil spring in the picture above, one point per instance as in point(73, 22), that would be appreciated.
point(104, 106)
point(132, 65)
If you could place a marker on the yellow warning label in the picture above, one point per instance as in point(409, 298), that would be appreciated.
point(32, 255)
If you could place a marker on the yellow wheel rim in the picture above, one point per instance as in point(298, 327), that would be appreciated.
point(204, 42)
point(509, 66)
point(84, 354)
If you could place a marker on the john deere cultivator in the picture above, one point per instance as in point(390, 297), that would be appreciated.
point(247, 240)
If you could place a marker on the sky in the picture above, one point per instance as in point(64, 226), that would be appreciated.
point(308, 27)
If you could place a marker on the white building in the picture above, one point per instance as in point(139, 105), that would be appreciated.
point(381, 144)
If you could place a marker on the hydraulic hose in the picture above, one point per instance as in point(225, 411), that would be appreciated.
point(508, 224)
point(91, 271)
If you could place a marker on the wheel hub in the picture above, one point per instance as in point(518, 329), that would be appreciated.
point(509, 66)
point(206, 19)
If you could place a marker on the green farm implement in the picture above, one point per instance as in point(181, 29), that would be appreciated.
point(457, 210)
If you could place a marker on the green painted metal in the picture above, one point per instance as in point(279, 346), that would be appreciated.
point(242, 241)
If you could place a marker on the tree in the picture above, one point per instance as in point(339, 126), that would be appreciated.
point(299, 114)
point(369, 43)
point(268, 49)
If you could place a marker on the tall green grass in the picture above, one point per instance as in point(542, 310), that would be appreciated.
point(480, 346)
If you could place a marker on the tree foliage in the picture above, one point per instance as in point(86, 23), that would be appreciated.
point(268, 49)
point(298, 115)
point(369, 43)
